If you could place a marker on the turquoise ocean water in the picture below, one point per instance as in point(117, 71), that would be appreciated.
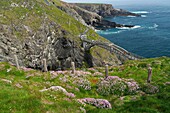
point(151, 35)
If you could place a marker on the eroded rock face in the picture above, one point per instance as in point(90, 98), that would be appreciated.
point(104, 24)
point(92, 15)
point(88, 17)
point(105, 10)
point(66, 52)
point(82, 15)
point(70, 11)
point(49, 44)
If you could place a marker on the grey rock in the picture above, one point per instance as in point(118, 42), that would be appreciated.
point(105, 10)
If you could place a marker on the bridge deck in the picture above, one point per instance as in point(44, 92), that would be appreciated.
point(112, 48)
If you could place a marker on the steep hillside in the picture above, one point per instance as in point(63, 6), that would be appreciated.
point(125, 89)
point(38, 29)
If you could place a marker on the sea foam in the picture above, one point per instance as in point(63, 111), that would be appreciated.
point(140, 12)
point(143, 16)
point(109, 32)
point(155, 26)
point(135, 27)
point(131, 16)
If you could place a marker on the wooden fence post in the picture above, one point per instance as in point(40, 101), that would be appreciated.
point(106, 71)
point(45, 65)
point(149, 74)
point(73, 67)
point(16, 61)
point(69, 22)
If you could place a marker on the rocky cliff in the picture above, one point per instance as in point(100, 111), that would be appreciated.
point(93, 14)
point(38, 29)
point(105, 10)
point(85, 17)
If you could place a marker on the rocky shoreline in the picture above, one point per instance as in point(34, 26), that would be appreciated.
point(105, 10)
point(93, 14)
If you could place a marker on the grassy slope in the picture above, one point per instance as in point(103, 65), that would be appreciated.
point(33, 17)
point(29, 99)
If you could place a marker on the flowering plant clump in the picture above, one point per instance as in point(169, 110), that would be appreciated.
point(116, 85)
point(132, 86)
point(82, 83)
point(65, 79)
point(82, 73)
point(98, 74)
point(100, 103)
point(55, 74)
point(59, 88)
point(150, 89)
point(71, 95)
point(103, 87)
point(91, 70)
point(112, 78)
point(55, 88)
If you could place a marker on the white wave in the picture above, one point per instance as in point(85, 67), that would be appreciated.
point(140, 12)
point(135, 27)
point(131, 16)
point(109, 32)
point(155, 26)
point(96, 30)
point(143, 16)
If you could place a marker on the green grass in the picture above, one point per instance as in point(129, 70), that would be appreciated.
point(17, 100)
point(34, 17)
point(29, 99)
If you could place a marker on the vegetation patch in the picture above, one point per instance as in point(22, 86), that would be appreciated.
point(126, 92)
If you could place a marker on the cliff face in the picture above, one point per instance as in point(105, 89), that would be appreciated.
point(47, 42)
point(105, 10)
point(92, 15)
point(82, 15)
point(68, 8)
point(34, 30)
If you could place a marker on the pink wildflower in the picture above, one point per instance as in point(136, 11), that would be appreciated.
point(100, 103)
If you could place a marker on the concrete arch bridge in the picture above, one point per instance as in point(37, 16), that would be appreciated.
point(87, 44)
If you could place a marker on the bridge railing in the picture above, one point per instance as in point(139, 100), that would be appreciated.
point(114, 47)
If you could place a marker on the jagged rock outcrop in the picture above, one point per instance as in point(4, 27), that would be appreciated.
point(68, 8)
point(105, 10)
point(50, 44)
point(105, 24)
point(93, 14)
point(88, 17)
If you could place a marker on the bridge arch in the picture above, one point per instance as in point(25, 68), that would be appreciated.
point(88, 44)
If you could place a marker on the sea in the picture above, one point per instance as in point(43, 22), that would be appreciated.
point(150, 37)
